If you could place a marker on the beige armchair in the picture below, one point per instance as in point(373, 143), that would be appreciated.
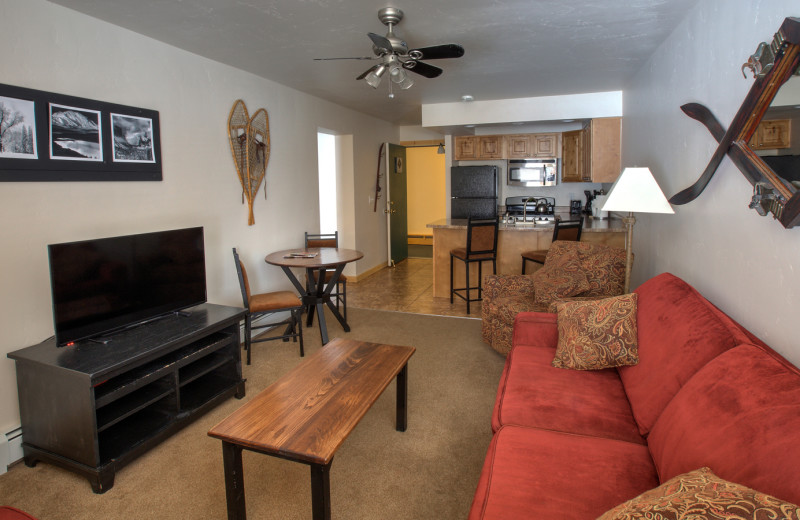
point(571, 270)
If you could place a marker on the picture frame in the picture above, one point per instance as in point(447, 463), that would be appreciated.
point(62, 138)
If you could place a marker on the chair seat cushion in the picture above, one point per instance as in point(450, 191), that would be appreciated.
point(534, 393)
point(533, 473)
point(274, 301)
point(461, 252)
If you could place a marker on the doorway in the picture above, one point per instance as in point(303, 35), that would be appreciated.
point(397, 203)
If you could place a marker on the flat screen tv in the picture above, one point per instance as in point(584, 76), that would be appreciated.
point(103, 285)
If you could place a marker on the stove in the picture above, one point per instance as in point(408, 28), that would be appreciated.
point(517, 207)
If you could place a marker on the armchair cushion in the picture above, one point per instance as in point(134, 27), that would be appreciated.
point(563, 276)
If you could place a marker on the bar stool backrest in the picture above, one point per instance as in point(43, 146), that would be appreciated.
point(568, 230)
point(482, 236)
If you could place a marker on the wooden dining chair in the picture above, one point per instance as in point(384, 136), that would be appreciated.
point(263, 304)
point(340, 294)
point(564, 230)
point(481, 247)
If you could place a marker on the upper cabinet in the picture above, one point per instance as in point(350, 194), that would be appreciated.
point(593, 153)
point(517, 146)
point(491, 147)
point(466, 148)
point(573, 155)
point(773, 134)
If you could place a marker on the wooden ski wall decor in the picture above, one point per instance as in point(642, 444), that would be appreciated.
point(250, 147)
point(773, 64)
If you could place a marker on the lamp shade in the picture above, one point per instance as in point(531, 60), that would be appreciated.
point(636, 191)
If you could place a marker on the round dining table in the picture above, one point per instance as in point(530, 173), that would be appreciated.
point(316, 260)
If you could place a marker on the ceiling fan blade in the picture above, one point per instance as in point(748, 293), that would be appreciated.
point(380, 42)
point(423, 69)
point(437, 52)
point(355, 58)
point(364, 75)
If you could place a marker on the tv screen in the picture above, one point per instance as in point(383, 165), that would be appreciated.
point(106, 284)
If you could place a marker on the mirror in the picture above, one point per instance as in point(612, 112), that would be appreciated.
point(777, 137)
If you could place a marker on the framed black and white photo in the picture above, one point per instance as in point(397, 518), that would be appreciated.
point(133, 139)
point(46, 136)
point(17, 128)
point(76, 134)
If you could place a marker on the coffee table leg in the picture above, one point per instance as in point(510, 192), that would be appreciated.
point(321, 491)
point(402, 399)
point(234, 480)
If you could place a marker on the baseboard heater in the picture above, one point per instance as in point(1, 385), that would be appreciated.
point(10, 448)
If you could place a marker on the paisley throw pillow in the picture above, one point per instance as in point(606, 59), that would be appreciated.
point(597, 334)
point(701, 495)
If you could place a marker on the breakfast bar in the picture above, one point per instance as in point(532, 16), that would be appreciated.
point(512, 240)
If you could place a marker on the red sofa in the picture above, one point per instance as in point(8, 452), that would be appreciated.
point(573, 444)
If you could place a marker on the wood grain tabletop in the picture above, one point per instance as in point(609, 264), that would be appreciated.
point(306, 414)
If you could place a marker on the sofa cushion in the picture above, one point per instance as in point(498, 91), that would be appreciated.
point(679, 332)
point(598, 334)
point(702, 495)
point(533, 393)
point(533, 473)
point(740, 416)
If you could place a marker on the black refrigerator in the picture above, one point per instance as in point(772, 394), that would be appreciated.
point(473, 191)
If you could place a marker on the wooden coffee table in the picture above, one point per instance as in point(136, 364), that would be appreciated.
point(306, 415)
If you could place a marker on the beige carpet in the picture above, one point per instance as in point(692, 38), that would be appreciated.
point(428, 472)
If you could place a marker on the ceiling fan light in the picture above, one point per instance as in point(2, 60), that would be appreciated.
point(374, 77)
point(401, 77)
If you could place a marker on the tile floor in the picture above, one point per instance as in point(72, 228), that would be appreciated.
point(408, 287)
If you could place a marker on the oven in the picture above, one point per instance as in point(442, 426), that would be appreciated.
point(532, 172)
point(530, 209)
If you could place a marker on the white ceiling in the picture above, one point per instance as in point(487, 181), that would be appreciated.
point(513, 48)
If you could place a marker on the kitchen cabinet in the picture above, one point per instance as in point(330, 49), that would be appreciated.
point(519, 146)
point(491, 147)
point(544, 145)
point(573, 155)
point(529, 146)
point(594, 152)
point(466, 148)
point(515, 146)
point(771, 135)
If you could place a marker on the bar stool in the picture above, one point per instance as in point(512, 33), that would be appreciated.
point(569, 230)
point(481, 247)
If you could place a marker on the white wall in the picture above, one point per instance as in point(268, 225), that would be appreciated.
point(50, 48)
point(746, 264)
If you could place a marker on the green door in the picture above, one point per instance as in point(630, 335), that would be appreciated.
point(397, 205)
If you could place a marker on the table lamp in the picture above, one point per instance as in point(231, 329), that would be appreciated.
point(635, 191)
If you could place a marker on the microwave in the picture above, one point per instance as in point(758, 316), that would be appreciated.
point(532, 172)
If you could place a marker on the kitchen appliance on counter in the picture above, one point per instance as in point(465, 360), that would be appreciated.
point(531, 209)
point(532, 172)
point(473, 191)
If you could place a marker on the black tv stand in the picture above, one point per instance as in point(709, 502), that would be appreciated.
point(92, 409)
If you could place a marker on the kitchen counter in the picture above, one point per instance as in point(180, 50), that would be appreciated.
point(590, 225)
point(512, 240)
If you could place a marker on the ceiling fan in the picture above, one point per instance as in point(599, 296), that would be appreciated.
point(395, 57)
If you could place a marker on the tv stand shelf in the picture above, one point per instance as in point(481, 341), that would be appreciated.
point(92, 407)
